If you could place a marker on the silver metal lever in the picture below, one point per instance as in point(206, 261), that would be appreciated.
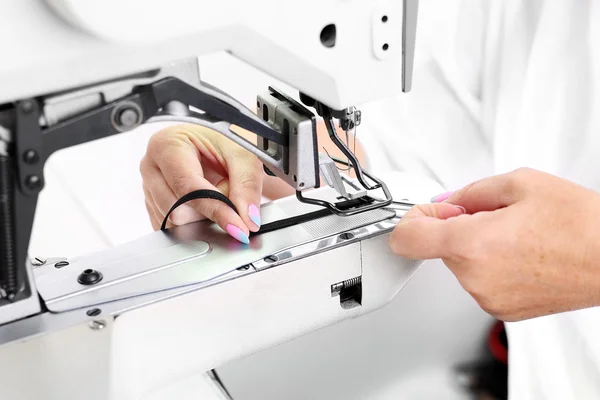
point(409, 37)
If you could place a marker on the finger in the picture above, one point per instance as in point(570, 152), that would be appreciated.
point(164, 198)
point(425, 231)
point(489, 194)
point(180, 166)
point(245, 186)
point(439, 211)
point(150, 209)
point(152, 215)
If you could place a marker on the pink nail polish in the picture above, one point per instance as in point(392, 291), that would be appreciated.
point(441, 197)
point(254, 214)
point(237, 233)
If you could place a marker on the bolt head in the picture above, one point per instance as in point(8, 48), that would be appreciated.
point(346, 236)
point(38, 262)
point(30, 157)
point(128, 118)
point(33, 182)
point(93, 312)
point(27, 106)
point(97, 325)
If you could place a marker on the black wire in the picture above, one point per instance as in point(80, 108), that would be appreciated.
point(340, 161)
point(348, 165)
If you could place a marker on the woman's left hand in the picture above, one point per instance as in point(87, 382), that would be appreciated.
point(523, 244)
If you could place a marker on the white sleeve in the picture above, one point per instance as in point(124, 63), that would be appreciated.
point(435, 129)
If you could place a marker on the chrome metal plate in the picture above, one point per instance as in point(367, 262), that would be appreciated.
point(187, 255)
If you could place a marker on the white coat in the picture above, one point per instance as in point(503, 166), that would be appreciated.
point(502, 84)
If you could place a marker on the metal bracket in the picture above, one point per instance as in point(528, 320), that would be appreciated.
point(28, 147)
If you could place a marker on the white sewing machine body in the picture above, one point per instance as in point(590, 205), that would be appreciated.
point(190, 299)
point(97, 41)
point(143, 343)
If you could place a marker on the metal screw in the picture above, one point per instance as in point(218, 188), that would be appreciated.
point(33, 182)
point(97, 325)
point(346, 236)
point(61, 264)
point(271, 259)
point(38, 262)
point(27, 106)
point(30, 157)
point(126, 116)
point(89, 277)
point(357, 118)
point(93, 312)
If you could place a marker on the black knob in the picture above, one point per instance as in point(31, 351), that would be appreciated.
point(89, 277)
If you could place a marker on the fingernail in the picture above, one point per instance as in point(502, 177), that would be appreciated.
point(462, 209)
point(441, 197)
point(254, 214)
point(237, 233)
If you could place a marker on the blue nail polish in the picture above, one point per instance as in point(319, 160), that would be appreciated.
point(237, 233)
point(254, 214)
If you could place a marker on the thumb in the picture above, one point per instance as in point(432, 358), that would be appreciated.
point(424, 232)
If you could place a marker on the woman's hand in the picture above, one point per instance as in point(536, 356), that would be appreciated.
point(523, 244)
point(185, 158)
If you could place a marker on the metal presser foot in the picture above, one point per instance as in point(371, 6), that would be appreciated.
point(360, 192)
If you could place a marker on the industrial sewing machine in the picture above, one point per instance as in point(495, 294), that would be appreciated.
point(130, 317)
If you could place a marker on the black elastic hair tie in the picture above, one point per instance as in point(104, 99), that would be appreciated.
point(271, 226)
point(196, 195)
